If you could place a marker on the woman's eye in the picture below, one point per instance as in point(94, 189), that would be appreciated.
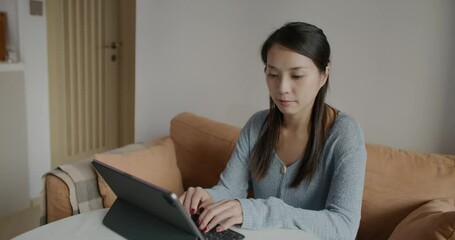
point(297, 76)
point(271, 75)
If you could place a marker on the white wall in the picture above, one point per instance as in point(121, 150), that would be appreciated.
point(14, 180)
point(392, 63)
point(33, 45)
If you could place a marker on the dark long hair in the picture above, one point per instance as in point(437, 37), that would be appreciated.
point(310, 41)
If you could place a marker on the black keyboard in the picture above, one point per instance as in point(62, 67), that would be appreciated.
point(214, 235)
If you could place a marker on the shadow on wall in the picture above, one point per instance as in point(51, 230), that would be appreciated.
point(448, 120)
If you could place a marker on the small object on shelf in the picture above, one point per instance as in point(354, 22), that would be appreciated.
point(3, 26)
point(12, 55)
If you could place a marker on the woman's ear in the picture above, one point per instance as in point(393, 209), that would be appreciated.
point(325, 76)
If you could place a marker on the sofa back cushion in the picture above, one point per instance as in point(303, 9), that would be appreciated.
point(433, 221)
point(203, 147)
point(397, 182)
point(156, 164)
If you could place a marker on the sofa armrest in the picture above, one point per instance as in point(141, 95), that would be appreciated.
point(74, 183)
point(58, 204)
point(73, 188)
point(435, 220)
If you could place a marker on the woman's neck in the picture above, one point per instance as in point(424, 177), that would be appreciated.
point(297, 123)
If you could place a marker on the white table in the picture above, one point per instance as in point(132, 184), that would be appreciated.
point(89, 226)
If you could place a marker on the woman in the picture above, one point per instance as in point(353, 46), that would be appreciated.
point(304, 159)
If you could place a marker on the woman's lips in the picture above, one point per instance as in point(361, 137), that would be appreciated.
point(285, 103)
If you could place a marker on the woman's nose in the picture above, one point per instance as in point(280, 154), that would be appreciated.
point(284, 85)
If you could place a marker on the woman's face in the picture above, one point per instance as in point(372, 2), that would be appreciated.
point(293, 80)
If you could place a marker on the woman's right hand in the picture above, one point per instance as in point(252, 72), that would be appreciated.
point(194, 200)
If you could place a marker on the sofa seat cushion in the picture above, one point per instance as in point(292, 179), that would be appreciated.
point(203, 147)
point(156, 164)
point(397, 182)
point(433, 221)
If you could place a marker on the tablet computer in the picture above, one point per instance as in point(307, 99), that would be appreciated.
point(143, 210)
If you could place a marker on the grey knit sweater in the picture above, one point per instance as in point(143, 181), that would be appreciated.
point(329, 207)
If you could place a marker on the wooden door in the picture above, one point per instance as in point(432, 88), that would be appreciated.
point(83, 51)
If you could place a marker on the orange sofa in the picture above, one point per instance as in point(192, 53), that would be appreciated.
point(407, 195)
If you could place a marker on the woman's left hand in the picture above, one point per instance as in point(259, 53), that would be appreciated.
point(226, 213)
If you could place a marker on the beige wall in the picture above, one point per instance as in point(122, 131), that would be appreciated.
point(13, 143)
point(392, 63)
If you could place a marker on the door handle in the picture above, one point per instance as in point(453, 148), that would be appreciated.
point(113, 45)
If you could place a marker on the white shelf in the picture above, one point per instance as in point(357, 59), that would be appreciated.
point(11, 67)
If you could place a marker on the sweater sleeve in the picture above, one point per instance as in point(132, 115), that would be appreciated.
point(341, 216)
point(233, 183)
